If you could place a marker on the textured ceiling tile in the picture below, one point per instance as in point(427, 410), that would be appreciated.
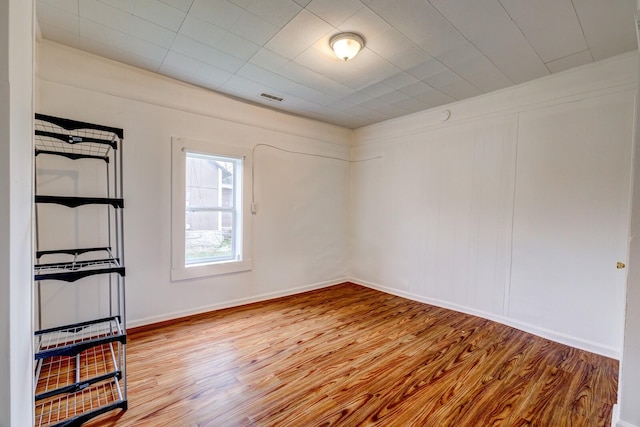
point(427, 69)
point(269, 60)
point(398, 80)
point(416, 19)
point(357, 98)
point(340, 105)
point(411, 105)
point(150, 32)
point(365, 22)
point(408, 58)
point(392, 98)
point(298, 35)
point(277, 12)
point(222, 13)
point(560, 36)
point(70, 6)
point(185, 68)
point(254, 28)
point(416, 88)
point(208, 79)
point(396, 48)
point(310, 78)
point(206, 54)
point(260, 75)
point(602, 25)
point(62, 19)
point(242, 3)
point(319, 57)
point(179, 4)
point(433, 97)
point(365, 69)
point(488, 26)
point(305, 92)
point(90, 30)
point(457, 50)
point(370, 67)
point(376, 89)
point(248, 89)
point(238, 46)
point(198, 29)
point(143, 48)
point(159, 13)
point(116, 53)
point(468, 62)
point(514, 56)
point(104, 14)
point(180, 64)
point(376, 104)
point(125, 5)
point(453, 85)
point(421, 23)
point(570, 61)
point(295, 105)
point(335, 12)
point(125, 22)
point(271, 79)
point(322, 99)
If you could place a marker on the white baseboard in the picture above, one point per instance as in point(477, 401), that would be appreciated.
point(624, 424)
point(532, 329)
point(233, 303)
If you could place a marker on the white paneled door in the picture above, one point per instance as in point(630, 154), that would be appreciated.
point(571, 215)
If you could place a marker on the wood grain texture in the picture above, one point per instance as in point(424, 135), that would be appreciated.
point(352, 356)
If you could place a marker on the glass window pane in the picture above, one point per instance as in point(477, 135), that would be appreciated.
point(209, 181)
point(208, 236)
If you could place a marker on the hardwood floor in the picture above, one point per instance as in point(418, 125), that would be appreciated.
point(350, 356)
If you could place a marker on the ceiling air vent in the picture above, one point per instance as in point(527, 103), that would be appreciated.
point(271, 97)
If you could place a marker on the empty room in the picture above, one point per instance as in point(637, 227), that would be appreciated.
point(319, 213)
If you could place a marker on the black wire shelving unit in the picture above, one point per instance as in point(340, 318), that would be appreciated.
point(80, 369)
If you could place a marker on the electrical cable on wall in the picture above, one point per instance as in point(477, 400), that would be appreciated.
point(302, 153)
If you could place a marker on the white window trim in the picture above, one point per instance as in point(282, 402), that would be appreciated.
point(180, 271)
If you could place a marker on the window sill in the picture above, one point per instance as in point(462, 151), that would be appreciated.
point(214, 269)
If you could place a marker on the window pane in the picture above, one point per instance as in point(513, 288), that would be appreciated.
point(209, 181)
point(208, 236)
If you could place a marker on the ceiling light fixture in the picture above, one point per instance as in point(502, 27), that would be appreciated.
point(346, 45)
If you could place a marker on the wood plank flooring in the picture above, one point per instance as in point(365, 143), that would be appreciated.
point(351, 356)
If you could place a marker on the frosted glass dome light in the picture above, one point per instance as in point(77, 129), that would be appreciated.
point(346, 45)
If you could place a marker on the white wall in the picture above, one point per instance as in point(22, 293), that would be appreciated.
point(300, 230)
point(515, 209)
point(16, 94)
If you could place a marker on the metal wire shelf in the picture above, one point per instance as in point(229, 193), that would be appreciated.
point(69, 374)
point(72, 339)
point(77, 268)
point(73, 139)
point(76, 408)
point(75, 201)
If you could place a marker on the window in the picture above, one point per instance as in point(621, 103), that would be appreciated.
point(210, 222)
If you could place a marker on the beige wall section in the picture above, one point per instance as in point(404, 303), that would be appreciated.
point(300, 229)
point(515, 208)
point(16, 100)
